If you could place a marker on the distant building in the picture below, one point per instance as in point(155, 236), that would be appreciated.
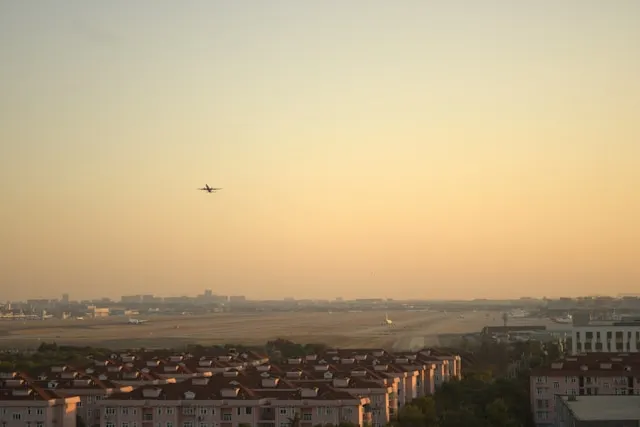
point(149, 299)
point(99, 312)
point(208, 293)
point(65, 299)
point(237, 298)
point(490, 330)
point(131, 299)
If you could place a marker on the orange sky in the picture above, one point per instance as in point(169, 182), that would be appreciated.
point(405, 150)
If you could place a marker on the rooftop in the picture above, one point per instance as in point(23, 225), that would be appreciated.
point(604, 408)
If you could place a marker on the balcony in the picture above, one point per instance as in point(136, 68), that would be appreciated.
point(267, 415)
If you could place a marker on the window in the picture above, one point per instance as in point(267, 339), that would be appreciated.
point(39, 424)
point(248, 410)
point(89, 413)
point(78, 405)
point(125, 424)
point(203, 425)
point(203, 411)
point(147, 417)
point(110, 424)
point(187, 424)
point(125, 411)
point(169, 424)
point(556, 385)
point(110, 411)
point(283, 411)
point(226, 417)
point(39, 411)
point(159, 411)
point(169, 412)
point(306, 417)
point(17, 416)
point(188, 410)
point(134, 411)
point(284, 424)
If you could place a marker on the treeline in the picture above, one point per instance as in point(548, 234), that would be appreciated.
point(48, 355)
point(477, 400)
point(51, 354)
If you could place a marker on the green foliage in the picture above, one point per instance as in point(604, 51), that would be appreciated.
point(48, 355)
point(282, 348)
point(411, 416)
point(478, 400)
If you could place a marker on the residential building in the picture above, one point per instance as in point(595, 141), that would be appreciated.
point(583, 375)
point(225, 402)
point(225, 388)
point(597, 411)
point(24, 404)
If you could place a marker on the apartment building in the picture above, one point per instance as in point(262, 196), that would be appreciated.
point(583, 375)
point(226, 388)
point(89, 390)
point(353, 379)
point(597, 411)
point(603, 337)
point(433, 370)
point(224, 402)
point(25, 404)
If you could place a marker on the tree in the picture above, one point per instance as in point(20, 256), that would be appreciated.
point(80, 422)
point(427, 406)
point(411, 416)
point(462, 417)
point(497, 413)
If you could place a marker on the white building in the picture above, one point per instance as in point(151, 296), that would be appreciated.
point(606, 337)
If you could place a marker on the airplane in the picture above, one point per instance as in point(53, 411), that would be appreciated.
point(387, 321)
point(136, 321)
point(209, 189)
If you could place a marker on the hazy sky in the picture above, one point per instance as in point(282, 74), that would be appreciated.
point(425, 149)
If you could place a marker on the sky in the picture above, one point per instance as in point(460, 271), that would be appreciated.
point(409, 149)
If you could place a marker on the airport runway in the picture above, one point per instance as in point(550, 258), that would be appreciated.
point(411, 329)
